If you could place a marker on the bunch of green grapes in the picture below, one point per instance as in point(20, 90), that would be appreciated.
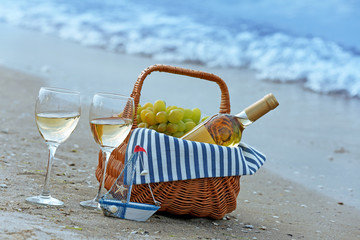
point(171, 120)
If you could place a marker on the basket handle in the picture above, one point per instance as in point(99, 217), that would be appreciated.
point(225, 99)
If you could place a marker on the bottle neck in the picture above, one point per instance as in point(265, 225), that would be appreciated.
point(243, 119)
point(257, 109)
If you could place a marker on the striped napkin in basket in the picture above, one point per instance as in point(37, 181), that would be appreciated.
point(172, 159)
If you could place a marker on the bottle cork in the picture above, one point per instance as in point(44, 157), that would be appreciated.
point(261, 107)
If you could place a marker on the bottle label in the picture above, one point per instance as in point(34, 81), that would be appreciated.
point(225, 130)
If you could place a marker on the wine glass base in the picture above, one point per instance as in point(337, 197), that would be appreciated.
point(91, 204)
point(45, 200)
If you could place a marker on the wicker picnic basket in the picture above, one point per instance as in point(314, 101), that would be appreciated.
point(204, 197)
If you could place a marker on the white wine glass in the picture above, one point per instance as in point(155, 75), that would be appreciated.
point(57, 112)
point(111, 119)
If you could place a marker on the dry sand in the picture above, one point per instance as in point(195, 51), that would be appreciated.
point(269, 206)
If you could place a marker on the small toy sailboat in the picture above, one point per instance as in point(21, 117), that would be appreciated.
point(116, 202)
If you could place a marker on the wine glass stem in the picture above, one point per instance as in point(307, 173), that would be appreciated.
point(106, 154)
point(52, 149)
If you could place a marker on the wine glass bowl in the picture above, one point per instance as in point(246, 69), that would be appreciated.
point(111, 119)
point(57, 112)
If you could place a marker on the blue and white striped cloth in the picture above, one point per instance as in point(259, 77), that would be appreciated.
point(172, 159)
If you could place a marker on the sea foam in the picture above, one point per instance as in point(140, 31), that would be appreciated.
point(119, 26)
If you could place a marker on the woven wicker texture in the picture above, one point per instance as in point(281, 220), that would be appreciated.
point(204, 197)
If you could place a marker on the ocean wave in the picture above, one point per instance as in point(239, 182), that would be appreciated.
point(130, 28)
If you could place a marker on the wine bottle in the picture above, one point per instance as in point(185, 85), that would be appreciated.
point(226, 129)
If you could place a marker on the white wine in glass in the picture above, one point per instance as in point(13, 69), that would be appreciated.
point(57, 112)
point(111, 119)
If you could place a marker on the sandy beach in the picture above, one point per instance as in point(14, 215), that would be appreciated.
point(307, 189)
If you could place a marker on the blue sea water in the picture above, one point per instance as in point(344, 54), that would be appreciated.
point(316, 43)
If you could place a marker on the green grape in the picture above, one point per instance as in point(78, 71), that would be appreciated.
point(150, 118)
point(196, 115)
point(159, 106)
point(181, 126)
point(162, 127)
point(178, 134)
point(161, 117)
point(187, 120)
point(172, 128)
point(143, 113)
point(148, 105)
point(154, 127)
point(143, 125)
point(139, 109)
point(204, 118)
point(138, 118)
point(175, 116)
point(170, 120)
point(169, 108)
point(187, 113)
point(189, 126)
